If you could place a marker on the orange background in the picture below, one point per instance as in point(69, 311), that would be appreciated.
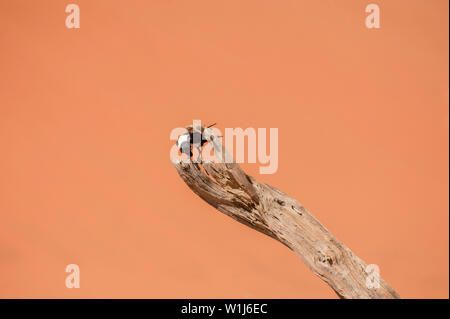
point(85, 117)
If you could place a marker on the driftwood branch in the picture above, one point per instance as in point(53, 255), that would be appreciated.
point(264, 208)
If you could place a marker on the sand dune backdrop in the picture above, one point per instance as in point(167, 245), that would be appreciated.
point(85, 117)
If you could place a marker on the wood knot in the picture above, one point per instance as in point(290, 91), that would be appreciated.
point(326, 257)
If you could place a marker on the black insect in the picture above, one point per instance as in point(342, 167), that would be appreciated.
point(192, 138)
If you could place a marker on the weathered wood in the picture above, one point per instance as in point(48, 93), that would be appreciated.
point(264, 208)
